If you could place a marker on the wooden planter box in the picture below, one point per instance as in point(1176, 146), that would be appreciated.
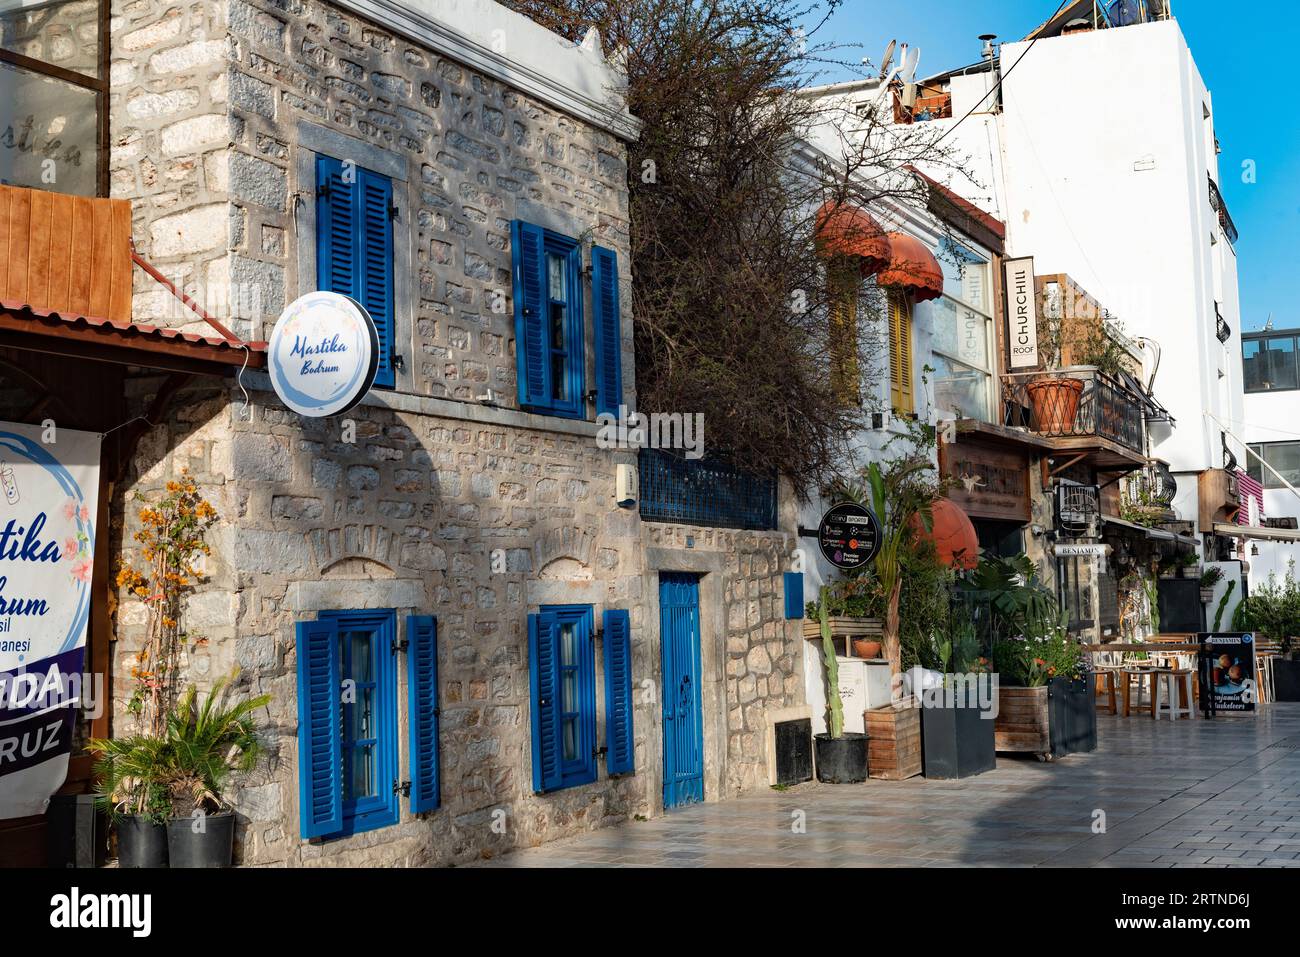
point(894, 742)
point(1022, 721)
point(843, 631)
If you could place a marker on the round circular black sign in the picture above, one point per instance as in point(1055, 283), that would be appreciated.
point(849, 535)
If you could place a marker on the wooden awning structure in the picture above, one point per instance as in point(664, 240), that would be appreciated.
point(66, 288)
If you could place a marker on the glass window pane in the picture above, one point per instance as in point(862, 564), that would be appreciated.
point(1253, 468)
point(1253, 372)
point(64, 33)
point(48, 133)
point(960, 332)
point(362, 665)
point(555, 270)
point(363, 772)
point(1281, 362)
point(1285, 457)
point(975, 286)
point(568, 646)
point(570, 739)
point(363, 715)
point(558, 338)
point(961, 390)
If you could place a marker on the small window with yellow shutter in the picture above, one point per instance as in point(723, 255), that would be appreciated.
point(900, 354)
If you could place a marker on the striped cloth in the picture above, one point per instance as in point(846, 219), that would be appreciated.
point(1251, 491)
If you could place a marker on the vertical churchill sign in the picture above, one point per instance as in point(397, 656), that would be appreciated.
point(1022, 313)
point(48, 499)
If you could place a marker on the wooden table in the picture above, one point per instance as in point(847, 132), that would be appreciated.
point(1165, 645)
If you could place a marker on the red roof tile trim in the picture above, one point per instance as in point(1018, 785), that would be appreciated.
point(131, 329)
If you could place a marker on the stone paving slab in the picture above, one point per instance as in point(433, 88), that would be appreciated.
point(1221, 793)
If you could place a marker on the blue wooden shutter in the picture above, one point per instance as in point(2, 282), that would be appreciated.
point(336, 229)
point(794, 604)
point(375, 203)
point(422, 686)
point(609, 343)
point(532, 361)
point(354, 246)
point(320, 756)
point(543, 666)
point(621, 757)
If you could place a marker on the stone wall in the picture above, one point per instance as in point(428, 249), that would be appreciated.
point(406, 517)
point(169, 150)
point(406, 501)
point(475, 154)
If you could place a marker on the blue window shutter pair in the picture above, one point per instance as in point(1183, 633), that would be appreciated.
point(319, 702)
point(794, 604)
point(422, 688)
point(528, 244)
point(354, 246)
point(621, 754)
point(544, 668)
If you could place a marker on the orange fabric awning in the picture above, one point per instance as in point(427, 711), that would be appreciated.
point(847, 230)
point(912, 267)
point(953, 535)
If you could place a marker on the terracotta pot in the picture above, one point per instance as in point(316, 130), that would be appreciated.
point(1054, 403)
point(866, 648)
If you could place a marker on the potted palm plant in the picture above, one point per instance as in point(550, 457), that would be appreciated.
point(130, 775)
point(1053, 397)
point(176, 782)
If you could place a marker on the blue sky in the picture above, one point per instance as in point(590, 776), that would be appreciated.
point(1243, 51)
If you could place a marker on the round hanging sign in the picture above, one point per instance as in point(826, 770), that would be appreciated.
point(323, 354)
point(849, 535)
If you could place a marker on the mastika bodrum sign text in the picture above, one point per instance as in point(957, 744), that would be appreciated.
point(323, 354)
point(49, 494)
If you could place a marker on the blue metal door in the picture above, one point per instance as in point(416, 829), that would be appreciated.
point(679, 636)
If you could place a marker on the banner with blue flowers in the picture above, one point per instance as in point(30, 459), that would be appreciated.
point(49, 490)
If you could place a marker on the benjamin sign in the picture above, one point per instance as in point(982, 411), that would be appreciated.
point(1022, 312)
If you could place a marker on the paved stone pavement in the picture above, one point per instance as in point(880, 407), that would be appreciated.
point(1221, 793)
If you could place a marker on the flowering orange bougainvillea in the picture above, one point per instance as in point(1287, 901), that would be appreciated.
point(172, 545)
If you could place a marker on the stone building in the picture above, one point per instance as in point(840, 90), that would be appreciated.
point(462, 519)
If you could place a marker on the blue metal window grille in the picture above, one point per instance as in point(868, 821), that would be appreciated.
point(368, 718)
point(704, 492)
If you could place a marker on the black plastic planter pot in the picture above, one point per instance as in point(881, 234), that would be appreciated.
point(956, 742)
point(141, 843)
point(1072, 716)
point(841, 760)
point(213, 846)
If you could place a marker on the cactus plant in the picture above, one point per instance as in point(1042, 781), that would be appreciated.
point(834, 706)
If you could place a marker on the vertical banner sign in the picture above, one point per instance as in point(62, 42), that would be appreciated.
point(49, 496)
point(1232, 671)
point(1022, 312)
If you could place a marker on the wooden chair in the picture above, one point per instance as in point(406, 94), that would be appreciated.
point(1105, 671)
